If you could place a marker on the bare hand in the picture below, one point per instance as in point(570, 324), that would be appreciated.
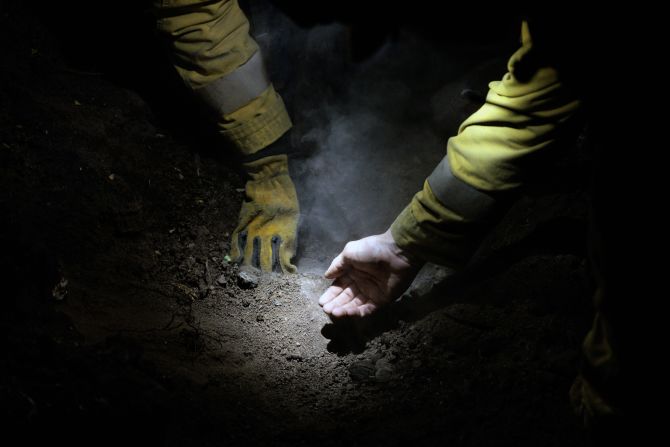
point(368, 274)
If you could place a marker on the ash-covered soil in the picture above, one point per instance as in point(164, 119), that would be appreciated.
point(124, 321)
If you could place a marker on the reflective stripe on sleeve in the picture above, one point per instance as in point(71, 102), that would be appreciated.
point(238, 88)
point(461, 198)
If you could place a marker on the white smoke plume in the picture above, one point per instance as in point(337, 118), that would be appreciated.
point(372, 131)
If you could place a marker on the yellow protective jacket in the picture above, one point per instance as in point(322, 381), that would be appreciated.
point(217, 58)
point(524, 113)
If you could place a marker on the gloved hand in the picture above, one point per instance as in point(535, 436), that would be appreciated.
point(265, 236)
point(368, 274)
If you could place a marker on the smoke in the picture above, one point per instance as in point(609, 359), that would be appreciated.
point(369, 133)
point(365, 170)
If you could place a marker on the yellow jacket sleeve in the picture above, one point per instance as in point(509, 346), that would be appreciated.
point(523, 114)
point(217, 58)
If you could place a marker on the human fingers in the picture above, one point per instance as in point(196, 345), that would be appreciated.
point(337, 267)
point(347, 294)
point(332, 292)
point(354, 308)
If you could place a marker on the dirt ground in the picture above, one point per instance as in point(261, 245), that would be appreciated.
point(123, 320)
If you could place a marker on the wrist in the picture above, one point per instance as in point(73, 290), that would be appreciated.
point(282, 146)
point(267, 167)
point(409, 258)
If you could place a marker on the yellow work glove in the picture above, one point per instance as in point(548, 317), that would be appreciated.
point(265, 236)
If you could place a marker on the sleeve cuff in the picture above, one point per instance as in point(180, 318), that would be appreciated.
point(426, 229)
point(257, 124)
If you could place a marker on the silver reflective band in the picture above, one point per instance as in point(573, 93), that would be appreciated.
point(457, 195)
point(236, 89)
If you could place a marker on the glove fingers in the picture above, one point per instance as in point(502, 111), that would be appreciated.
point(286, 253)
point(238, 246)
point(249, 246)
point(276, 263)
point(265, 254)
point(272, 255)
point(256, 254)
point(248, 258)
point(243, 252)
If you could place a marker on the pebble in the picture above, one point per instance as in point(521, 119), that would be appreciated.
point(247, 278)
point(222, 280)
point(362, 370)
point(60, 290)
point(384, 371)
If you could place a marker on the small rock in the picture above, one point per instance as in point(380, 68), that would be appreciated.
point(384, 371)
point(222, 280)
point(375, 356)
point(277, 303)
point(260, 318)
point(294, 357)
point(363, 370)
point(60, 290)
point(245, 303)
point(247, 278)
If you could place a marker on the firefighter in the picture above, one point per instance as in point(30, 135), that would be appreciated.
point(524, 114)
point(222, 65)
